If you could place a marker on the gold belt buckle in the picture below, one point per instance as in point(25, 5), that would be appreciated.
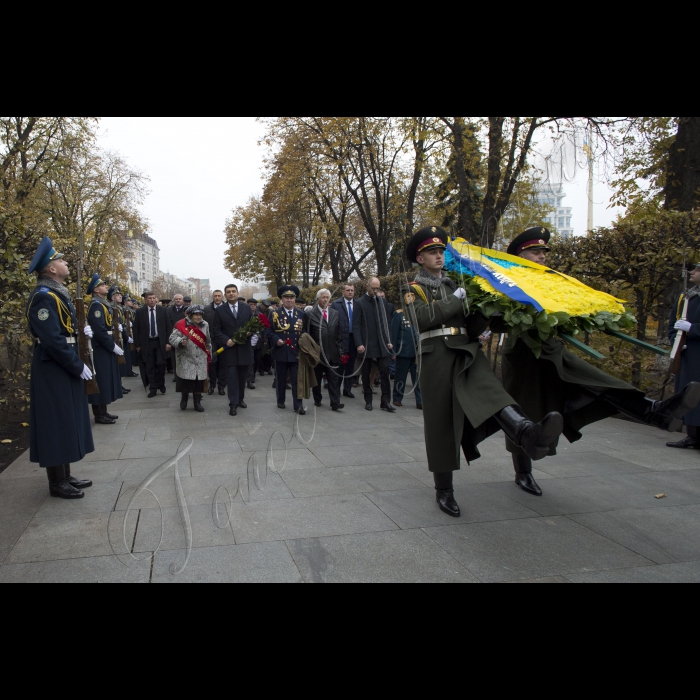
point(455, 331)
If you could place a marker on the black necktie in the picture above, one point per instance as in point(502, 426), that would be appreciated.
point(154, 332)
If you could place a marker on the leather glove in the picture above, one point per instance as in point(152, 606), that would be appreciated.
point(683, 326)
point(254, 340)
point(121, 328)
point(88, 332)
point(461, 294)
point(118, 351)
point(131, 341)
point(87, 374)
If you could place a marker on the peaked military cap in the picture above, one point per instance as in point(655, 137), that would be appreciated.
point(289, 291)
point(114, 289)
point(45, 253)
point(533, 239)
point(430, 238)
point(95, 282)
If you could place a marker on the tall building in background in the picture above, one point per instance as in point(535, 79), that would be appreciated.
point(553, 195)
point(142, 258)
point(203, 290)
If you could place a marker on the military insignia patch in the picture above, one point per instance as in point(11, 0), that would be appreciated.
point(44, 315)
point(410, 299)
point(98, 314)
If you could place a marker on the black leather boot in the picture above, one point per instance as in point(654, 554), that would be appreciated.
point(59, 487)
point(212, 389)
point(446, 494)
point(108, 415)
point(689, 443)
point(198, 403)
point(100, 413)
point(184, 402)
point(79, 484)
point(665, 415)
point(535, 439)
point(523, 475)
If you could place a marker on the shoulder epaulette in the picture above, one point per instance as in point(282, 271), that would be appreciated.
point(419, 291)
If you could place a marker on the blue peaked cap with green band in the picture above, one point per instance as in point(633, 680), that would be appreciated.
point(45, 254)
point(94, 283)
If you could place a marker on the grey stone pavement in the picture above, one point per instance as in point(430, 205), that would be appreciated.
point(355, 504)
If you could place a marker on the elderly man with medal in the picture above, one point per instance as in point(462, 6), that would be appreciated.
point(59, 419)
point(463, 402)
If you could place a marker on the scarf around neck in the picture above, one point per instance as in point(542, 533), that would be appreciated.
point(692, 293)
point(433, 282)
point(55, 286)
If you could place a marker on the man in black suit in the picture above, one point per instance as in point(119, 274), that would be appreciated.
point(228, 320)
point(350, 312)
point(151, 341)
point(390, 312)
point(218, 372)
point(323, 325)
point(286, 329)
point(175, 313)
point(376, 337)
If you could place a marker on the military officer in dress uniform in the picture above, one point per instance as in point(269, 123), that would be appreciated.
point(129, 311)
point(106, 351)
point(59, 418)
point(690, 359)
point(561, 381)
point(114, 297)
point(286, 328)
point(463, 401)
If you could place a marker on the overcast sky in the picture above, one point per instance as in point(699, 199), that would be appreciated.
point(202, 167)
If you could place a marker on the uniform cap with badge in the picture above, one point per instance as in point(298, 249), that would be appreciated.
point(429, 238)
point(45, 254)
point(95, 282)
point(532, 239)
point(288, 291)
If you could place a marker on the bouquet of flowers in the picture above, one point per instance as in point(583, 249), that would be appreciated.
point(256, 326)
point(536, 303)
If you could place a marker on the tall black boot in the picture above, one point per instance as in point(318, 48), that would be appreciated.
point(59, 486)
point(523, 475)
point(198, 403)
point(665, 415)
point(101, 418)
point(79, 484)
point(446, 494)
point(184, 402)
point(107, 415)
point(692, 442)
point(535, 439)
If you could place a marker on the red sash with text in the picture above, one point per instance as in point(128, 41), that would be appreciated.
point(196, 336)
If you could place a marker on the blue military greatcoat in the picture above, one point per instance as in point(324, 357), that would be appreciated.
point(59, 419)
point(690, 367)
point(100, 320)
point(289, 327)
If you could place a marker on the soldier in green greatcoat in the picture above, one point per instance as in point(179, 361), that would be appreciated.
point(560, 381)
point(463, 401)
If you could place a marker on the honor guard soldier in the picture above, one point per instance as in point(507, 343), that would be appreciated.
point(689, 324)
point(59, 418)
point(129, 311)
point(463, 401)
point(114, 297)
point(286, 329)
point(106, 352)
point(561, 381)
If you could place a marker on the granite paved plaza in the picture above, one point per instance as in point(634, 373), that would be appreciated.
point(355, 504)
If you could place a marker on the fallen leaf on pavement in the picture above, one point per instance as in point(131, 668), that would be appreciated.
point(660, 496)
point(6, 442)
point(25, 425)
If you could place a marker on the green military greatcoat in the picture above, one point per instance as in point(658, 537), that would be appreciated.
point(460, 392)
point(562, 382)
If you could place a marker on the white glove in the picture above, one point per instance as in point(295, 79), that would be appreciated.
point(131, 341)
point(118, 351)
point(87, 374)
point(461, 294)
point(308, 309)
point(254, 340)
point(88, 332)
point(121, 328)
point(683, 326)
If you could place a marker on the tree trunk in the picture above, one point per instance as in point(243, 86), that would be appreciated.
point(683, 178)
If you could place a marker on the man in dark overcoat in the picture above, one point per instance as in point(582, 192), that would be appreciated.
point(228, 320)
point(463, 402)
point(286, 329)
point(175, 313)
point(376, 339)
point(690, 359)
point(129, 311)
point(350, 311)
point(323, 325)
point(151, 340)
point(59, 419)
point(100, 316)
point(114, 297)
point(563, 382)
point(218, 372)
